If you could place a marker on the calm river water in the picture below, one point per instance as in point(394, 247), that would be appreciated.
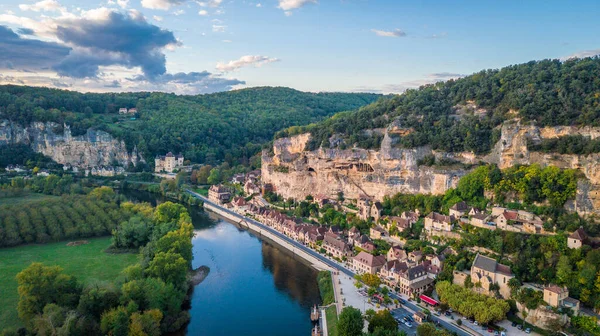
point(254, 287)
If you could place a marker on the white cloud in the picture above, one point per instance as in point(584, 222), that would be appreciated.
point(211, 3)
point(161, 4)
point(218, 29)
point(245, 61)
point(258, 5)
point(583, 54)
point(440, 35)
point(203, 12)
point(157, 18)
point(288, 13)
point(123, 3)
point(179, 12)
point(287, 5)
point(43, 6)
point(386, 33)
point(226, 41)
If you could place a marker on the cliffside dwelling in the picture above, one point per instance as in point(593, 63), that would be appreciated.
point(219, 194)
point(168, 163)
point(438, 222)
point(367, 263)
point(378, 232)
point(459, 209)
point(487, 271)
point(517, 221)
point(558, 297)
point(400, 223)
point(482, 220)
point(368, 209)
point(251, 188)
point(577, 238)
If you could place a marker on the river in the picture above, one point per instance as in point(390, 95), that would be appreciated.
point(254, 286)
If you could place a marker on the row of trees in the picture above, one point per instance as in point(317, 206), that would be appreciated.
point(146, 300)
point(70, 217)
point(481, 307)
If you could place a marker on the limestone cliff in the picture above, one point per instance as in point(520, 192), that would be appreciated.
point(95, 148)
point(297, 173)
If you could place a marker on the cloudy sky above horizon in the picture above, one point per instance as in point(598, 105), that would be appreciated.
point(204, 46)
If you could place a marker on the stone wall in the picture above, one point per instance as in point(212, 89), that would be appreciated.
point(95, 148)
point(540, 317)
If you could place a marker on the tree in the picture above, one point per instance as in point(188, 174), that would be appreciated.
point(102, 193)
point(170, 267)
point(115, 322)
point(215, 176)
point(40, 285)
point(203, 174)
point(371, 280)
point(350, 322)
point(383, 319)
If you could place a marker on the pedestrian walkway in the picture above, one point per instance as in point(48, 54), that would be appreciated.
point(324, 330)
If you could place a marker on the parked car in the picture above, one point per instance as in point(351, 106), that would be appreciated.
point(476, 323)
point(409, 318)
point(448, 313)
point(490, 330)
point(408, 324)
point(528, 330)
point(520, 327)
point(402, 301)
point(514, 324)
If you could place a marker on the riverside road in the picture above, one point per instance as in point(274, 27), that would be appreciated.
point(334, 265)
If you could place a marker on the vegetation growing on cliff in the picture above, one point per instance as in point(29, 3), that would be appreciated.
point(549, 92)
point(230, 126)
point(568, 144)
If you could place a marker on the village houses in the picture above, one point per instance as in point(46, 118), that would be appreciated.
point(365, 262)
point(438, 222)
point(558, 297)
point(219, 194)
point(459, 209)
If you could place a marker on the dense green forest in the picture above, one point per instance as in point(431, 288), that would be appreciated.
point(230, 126)
point(547, 92)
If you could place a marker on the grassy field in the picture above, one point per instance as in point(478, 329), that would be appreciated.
point(25, 199)
point(87, 262)
point(331, 316)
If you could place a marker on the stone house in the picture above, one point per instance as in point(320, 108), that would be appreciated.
point(558, 297)
point(459, 209)
point(415, 256)
point(376, 210)
point(414, 281)
point(238, 179)
point(240, 204)
point(391, 270)
point(251, 188)
point(336, 246)
point(367, 263)
point(482, 220)
point(399, 222)
point(368, 209)
point(219, 194)
point(412, 216)
point(377, 232)
point(396, 253)
point(487, 271)
point(438, 222)
point(576, 239)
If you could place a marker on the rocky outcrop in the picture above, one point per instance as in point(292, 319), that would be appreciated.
point(389, 170)
point(328, 171)
point(542, 317)
point(95, 148)
point(512, 149)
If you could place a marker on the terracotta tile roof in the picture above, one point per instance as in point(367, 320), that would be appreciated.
point(440, 218)
point(556, 289)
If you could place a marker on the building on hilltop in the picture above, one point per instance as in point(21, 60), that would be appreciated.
point(459, 209)
point(487, 271)
point(168, 163)
point(576, 239)
point(368, 209)
point(438, 222)
point(558, 297)
point(219, 194)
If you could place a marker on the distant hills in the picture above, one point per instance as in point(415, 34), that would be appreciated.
point(230, 126)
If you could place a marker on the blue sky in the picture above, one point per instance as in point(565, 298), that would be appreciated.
point(202, 46)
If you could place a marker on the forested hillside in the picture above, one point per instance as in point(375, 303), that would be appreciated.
point(205, 128)
point(548, 92)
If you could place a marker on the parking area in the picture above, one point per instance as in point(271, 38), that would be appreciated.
point(399, 314)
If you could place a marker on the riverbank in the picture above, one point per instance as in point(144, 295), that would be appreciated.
point(264, 231)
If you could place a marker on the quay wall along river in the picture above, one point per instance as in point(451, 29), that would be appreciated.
point(269, 233)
